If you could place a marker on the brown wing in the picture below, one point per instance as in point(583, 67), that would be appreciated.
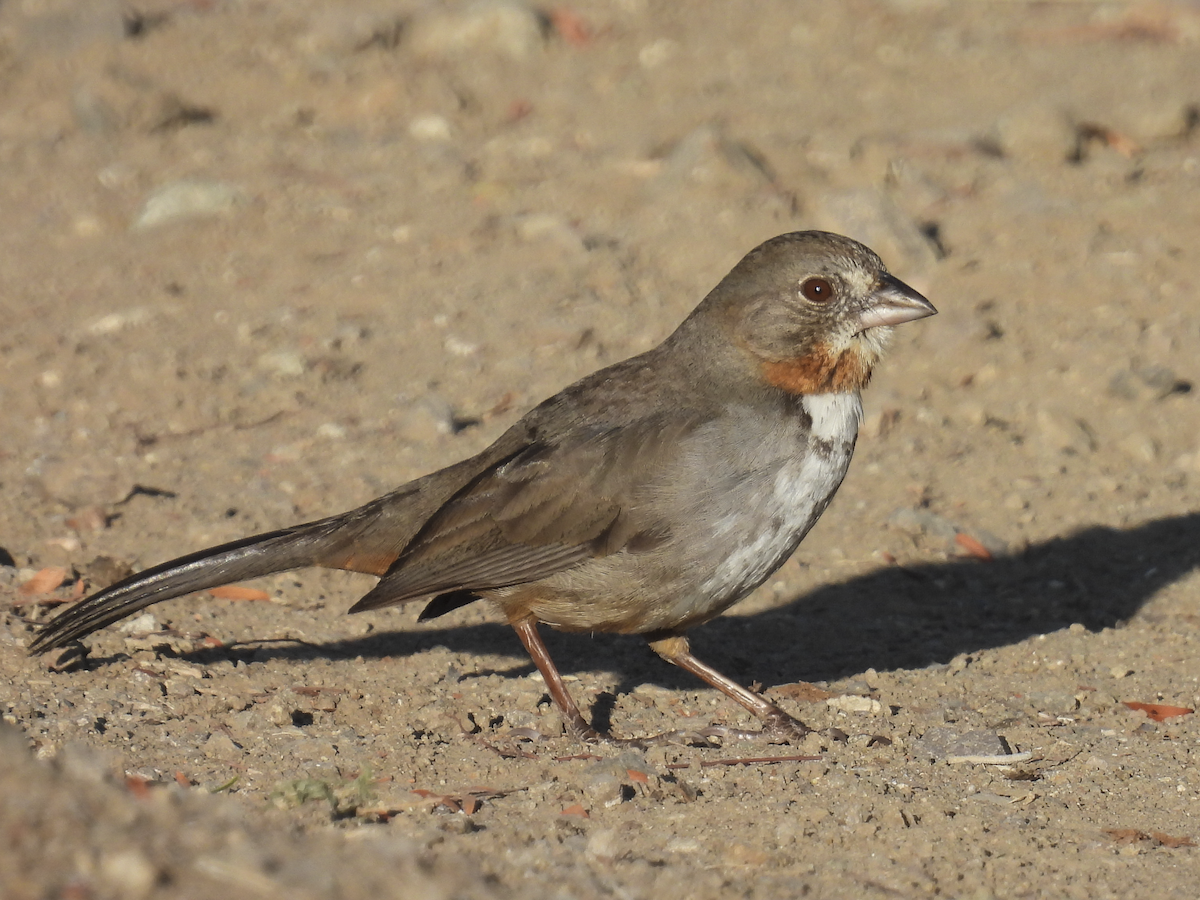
point(544, 510)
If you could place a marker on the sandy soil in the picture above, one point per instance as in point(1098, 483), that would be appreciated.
point(262, 261)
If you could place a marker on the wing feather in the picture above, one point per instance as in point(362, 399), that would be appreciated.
point(541, 511)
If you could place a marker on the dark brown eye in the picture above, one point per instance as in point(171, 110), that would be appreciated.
point(818, 290)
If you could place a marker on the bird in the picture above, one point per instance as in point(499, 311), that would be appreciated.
point(646, 498)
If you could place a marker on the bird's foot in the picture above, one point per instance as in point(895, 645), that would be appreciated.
point(778, 728)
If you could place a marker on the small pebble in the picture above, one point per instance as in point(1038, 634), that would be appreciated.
point(430, 129)
point(221, 746)
point(128, 873)
point(939, 743)
point(852, 704)
point(188, 199)
point(146, 623)
point(505, 28)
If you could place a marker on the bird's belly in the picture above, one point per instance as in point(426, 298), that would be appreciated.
point(719, 558)
point(760, 535)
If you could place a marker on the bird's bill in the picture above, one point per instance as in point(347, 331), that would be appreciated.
point(894, 303)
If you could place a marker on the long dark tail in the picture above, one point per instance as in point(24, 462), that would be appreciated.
point(368, 539)
point(263, 554)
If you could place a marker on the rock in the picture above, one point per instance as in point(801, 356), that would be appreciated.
point(1153, 116)
point(502, 27)
point(1061, 432)
point(708, 156)
point(938, 743)
point(1147, 382)
point(342, 29)
point(853, 704)
point(550, 228)
point(128, 873)
point(604, 788)
point(677, 844)
point(430, 129)
point(83, 481)
point(1139, 447)
point(604, 845)
point(1035, 132)
point(93, 113)
point(179, 688)
point(221, 746)
point(282, 363)
point(143, 624)
point(188, 199)
point(657, 53)
point(1052, 702)
point(923, 521)
point(67, 27)
point(83, 763)
point(119, 320)
point(424, 419)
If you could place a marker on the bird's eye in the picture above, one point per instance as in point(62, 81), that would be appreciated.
point(818, 290)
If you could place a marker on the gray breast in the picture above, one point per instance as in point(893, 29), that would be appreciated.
point(784, 478)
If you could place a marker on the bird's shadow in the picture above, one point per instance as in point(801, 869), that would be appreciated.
point(891, 618)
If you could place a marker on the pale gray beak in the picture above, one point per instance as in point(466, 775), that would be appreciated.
point(894, 303)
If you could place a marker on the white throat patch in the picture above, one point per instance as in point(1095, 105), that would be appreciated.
point(835, 417)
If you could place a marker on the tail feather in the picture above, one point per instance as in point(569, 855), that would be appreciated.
point(368, 539)
point(252, 557)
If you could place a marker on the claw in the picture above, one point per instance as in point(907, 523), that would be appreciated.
point(778, 728)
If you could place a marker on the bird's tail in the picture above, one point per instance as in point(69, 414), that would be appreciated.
point(263, 554)
point(368, 539)
point(352, 540)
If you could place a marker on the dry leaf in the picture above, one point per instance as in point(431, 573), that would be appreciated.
point(1133, 836)
point(1159, 712)
point(576, 809)
point(570, 26)
point(1168, 841)
point(971, 546)
point(43, 582)
point(467, 802)
point(138, 786)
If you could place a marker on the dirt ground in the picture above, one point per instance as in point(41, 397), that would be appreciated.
point(262, 261)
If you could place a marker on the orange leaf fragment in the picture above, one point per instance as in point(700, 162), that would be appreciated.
point(138, 786)
point(1133, 836)
point(971, 546)
point(635, 775)
point(1159, 712)
point(237, 592)
point(44, 581)
point(1168, 841)
point(576, 809)
point(570, 26)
